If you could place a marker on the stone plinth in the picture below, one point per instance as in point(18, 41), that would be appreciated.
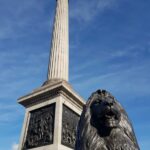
point(52, 114)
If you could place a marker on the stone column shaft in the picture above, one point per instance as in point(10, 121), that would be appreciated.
point(59, 56)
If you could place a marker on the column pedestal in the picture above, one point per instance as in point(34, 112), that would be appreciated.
point(52, 114)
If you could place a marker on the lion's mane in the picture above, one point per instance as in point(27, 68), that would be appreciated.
point(88, 137)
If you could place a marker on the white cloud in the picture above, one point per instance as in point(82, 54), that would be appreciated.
point(132, 80)
point(85, 11)
point(20, 68)
point(15, 146)
point(24, 14)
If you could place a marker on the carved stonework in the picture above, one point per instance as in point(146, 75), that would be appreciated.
point(41, 127)
point(69, 126)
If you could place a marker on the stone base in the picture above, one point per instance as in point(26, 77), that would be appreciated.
point(52, 114)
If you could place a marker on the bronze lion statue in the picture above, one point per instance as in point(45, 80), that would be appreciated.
point(104, 125)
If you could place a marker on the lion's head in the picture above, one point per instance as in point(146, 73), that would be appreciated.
point(104, 111)
point(104, 125)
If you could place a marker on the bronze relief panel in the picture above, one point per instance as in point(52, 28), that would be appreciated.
point(41, 127)
point(70, 121)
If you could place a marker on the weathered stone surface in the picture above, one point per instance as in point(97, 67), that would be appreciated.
point(61, 94)
point(104, 125)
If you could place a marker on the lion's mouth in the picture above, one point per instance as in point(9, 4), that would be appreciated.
point(110, 117)
point(110, 114)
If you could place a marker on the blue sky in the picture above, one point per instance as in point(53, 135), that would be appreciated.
point(109, 49)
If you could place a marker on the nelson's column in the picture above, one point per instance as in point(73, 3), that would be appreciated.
point(53, 110)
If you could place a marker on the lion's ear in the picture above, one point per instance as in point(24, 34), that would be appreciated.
point(99, 91)
point(92, 98)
